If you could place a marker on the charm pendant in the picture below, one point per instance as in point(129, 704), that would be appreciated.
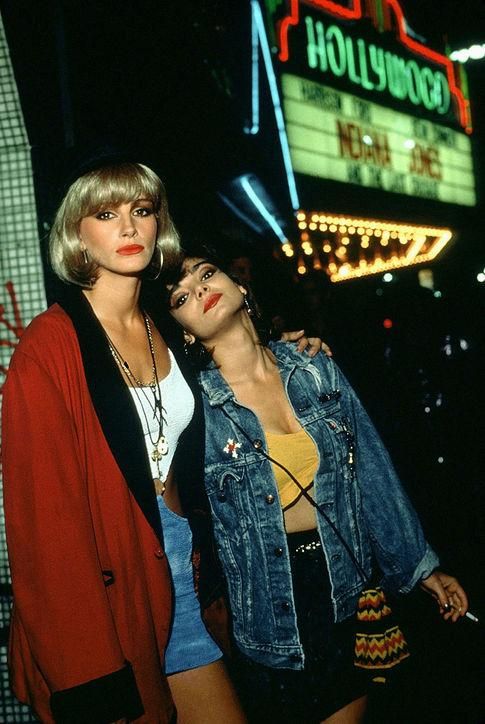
point(160, 449)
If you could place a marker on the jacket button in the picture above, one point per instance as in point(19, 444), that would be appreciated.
point(159, 553)
point(258, 444)
point(285, 606)
point(270, 499)
point(278, 552)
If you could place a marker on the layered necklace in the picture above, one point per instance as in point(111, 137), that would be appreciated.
point(150, 391)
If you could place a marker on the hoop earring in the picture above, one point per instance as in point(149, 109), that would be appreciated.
point(154, 269)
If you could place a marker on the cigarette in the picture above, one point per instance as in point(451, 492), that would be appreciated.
point(468, 614)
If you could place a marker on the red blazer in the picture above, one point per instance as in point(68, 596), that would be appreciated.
point(92, 591)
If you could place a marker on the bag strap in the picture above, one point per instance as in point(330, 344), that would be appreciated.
point(306, 495)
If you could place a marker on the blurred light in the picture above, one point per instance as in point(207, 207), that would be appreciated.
point(301, 269)
point(301, 215)
point(305, 236)
point(426, 278)
point(367, 139)
point(427, 409)
point(327, 248)
point(474, 52)
point(288, 249)
point(481, 277)
point(387, 323)
point(379, 292)
point(409, 143)
point(437, 294)
point(388, 277)
point(308, 250)
point(441, 460)
point(342, 229)
point(477, 52)
point(418, 244)
point(464, 345)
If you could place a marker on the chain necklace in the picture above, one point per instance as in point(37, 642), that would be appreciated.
point(159, 443)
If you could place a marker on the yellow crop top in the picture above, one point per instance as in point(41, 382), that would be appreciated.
point(297, 452)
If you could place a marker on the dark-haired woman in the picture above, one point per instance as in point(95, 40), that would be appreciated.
point(283, 433)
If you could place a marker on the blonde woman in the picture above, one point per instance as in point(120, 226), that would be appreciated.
point(108, 529)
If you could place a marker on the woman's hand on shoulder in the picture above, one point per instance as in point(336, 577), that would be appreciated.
point(449, 594)
point(312, 345)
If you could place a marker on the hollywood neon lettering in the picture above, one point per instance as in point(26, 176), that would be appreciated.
point(330, 50)
point(355, 12)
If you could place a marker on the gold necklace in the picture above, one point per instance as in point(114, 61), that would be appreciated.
point(160, 445)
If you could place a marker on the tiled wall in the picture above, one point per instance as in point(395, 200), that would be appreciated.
point(22, 293)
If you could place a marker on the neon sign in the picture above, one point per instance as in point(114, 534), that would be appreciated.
point(370, 66)
point(329, 49)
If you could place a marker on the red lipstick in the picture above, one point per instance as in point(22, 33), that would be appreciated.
point(129, 249)
point(211, 301)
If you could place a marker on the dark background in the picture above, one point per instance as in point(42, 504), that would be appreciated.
point(167, 77)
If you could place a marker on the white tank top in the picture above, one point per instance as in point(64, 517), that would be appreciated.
point(178, 407)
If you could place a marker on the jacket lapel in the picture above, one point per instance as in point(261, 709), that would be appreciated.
point(114, 406)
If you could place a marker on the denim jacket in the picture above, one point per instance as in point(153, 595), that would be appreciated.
point(355, 484)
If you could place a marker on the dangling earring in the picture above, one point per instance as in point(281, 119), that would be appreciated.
point(249, 309)
point(155, 265)
point(85, 256)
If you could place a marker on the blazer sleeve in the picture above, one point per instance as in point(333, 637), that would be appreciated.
point(59, 595)
point(402, 552)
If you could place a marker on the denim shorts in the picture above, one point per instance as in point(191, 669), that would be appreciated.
point(329, 680)
point(190, 645)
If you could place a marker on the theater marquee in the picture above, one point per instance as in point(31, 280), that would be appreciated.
point(339, 136)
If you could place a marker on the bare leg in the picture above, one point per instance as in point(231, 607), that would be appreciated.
point(353, 713)
point(205, 694)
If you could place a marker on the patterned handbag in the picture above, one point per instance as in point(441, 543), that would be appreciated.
point(379, 642)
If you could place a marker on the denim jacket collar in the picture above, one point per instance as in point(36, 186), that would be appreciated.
point(218, 391)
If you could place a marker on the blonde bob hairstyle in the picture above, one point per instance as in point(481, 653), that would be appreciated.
point(99, 189)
